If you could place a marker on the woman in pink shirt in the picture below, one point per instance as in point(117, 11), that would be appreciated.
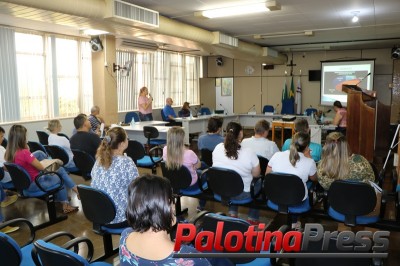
point(145, 102)
point(18, 152)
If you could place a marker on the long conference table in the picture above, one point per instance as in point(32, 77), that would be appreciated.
point(199, 125)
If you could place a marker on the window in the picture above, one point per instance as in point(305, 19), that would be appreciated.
point(166, 74)
point(53, 76)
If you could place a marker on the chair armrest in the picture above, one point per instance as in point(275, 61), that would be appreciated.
point(75, 243)
point(200, 180)
point(49, 173)
point(19, 221)
point(384, 200)
point(252, 187)
point(150, 153)
point(198, 216)
point(60, 234)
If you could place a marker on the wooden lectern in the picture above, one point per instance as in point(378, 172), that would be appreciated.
point(368, 122)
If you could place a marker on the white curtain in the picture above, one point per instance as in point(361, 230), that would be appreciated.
point(9, 98)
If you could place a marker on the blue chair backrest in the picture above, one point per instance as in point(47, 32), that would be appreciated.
point(130, 115)
point(10, 251)
point(19, 176)
point(309, 111)
point(205, 111)
point(268, 109)
point(164, 118)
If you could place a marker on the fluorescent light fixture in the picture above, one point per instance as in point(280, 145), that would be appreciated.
point(92, 32)
point(284, 34)
point(239, 10)
point(355, 16)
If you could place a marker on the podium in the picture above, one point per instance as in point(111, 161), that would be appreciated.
point(368, 122)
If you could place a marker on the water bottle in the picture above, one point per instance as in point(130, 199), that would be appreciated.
point(191, 115)
point(322, 118)
point(305, 113)
point(133, 122)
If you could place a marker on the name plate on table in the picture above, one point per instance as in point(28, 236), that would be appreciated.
point(251, 113)
point(269, 113)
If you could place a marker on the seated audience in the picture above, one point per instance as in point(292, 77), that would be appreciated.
point(8, 200)
point(169, 113)
point(213, 136)
point(231, 155)
point(95, 119)
point(296, 161)
point(301, 125)
point(339, 163)
point(259, 143)
point(83, 139)
point(185, 111)
point(176, 154)
point(18, 152)
point(113, 172)
point(150, 213)
point(54, 126)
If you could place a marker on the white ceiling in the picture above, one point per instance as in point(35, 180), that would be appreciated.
point(329, 20)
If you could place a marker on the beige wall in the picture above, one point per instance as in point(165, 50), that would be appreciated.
point(261, 87)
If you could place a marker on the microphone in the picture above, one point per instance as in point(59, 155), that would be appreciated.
point(363, 78)
point(251, 107)
point(151, 97)
point(328, 111)
point(194, 109)
point(226, 113)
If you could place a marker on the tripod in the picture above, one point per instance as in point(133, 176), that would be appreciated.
point(392, 146)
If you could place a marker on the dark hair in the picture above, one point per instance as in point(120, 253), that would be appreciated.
point(150, 204)
point(300, 142)
point(301, 125)
point(231, 142)
point(110, 142)
point(261, 126)
point(79, 120)
point(214, 123)
point(337, 104)
point(2, 130)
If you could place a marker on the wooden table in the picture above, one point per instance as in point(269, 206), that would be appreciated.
point(281, 124)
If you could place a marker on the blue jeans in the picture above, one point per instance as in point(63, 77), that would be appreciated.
point(146, 117)
point(254, 214)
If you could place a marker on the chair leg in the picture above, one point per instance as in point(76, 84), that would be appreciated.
point(53, 217)
point(108, 248)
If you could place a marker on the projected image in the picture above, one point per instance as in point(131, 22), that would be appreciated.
point(335, 74)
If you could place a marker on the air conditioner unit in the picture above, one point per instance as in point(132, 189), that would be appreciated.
point(135, 45)
point(224, 40)
point(124, 12)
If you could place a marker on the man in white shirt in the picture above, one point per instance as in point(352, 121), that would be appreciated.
point(259, 143)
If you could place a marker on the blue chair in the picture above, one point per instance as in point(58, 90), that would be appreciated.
point(57, 152)
point(268, 109)
point(48, 254)
point(164, 118)
point(22, 181)
point(225, 184)
point(91, 199)
point(180, 180)
point(350, 202)
point(130, 115)
point(7, 185)
point(84, 162)
point(36, 146)
point(309, 111)
point(138, 154)
point(15, 254)
point(204, 111)
point(63, 135)
point(43, 137)
point(151, 133)
point(208, 222)
point(285, 193)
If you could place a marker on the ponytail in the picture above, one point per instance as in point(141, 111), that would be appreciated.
point(110, 142)
point(300, 142)
point(231, 142)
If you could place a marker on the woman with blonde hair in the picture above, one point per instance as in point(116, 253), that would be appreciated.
point(18, 152)
point(339, 163)
point(54, 127)
point(145, 102)
point(113, 171)
point(176, 154)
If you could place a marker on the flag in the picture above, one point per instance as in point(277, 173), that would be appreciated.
point(298, 97)
point(288, 99)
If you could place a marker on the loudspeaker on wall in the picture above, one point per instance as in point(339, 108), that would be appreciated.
point(219, 61)
point(96, 44)
point(395, 53)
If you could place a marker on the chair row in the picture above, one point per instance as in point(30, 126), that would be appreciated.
point(43, 252)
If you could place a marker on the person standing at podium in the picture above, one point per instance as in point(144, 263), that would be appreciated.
point(145, 102)
point(340, 119)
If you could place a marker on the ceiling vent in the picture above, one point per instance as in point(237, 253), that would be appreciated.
point(125, 12)
point(135, 45)
point(225, 40)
